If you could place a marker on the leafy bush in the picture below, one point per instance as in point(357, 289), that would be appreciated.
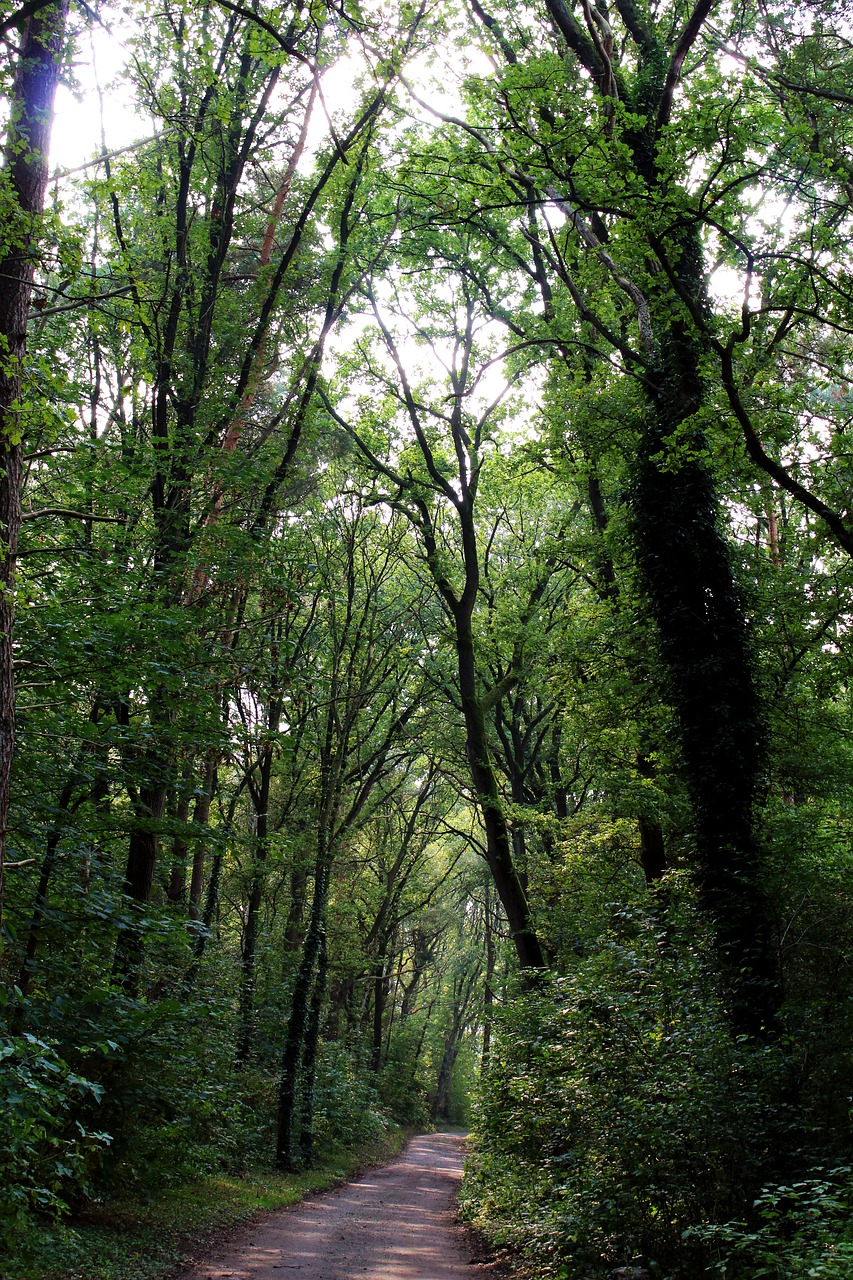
point(804, 1232)
point(168, 1090)
point(616, 1112)
point(402, 1093)
point(346, 1106)
point(47, 1156)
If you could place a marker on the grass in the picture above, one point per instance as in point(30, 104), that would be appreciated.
point(128, 1240)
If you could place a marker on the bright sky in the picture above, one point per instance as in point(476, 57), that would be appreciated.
point(76, 131)
point(77, 128)
point(76, 135)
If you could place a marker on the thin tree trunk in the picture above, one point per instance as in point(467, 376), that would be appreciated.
point(652, 848)
point(380, 987)
point(295, 1038)
point(293, 923)
point(453, 1043)
point(498, 841)
point(309, 1058)
point(45, 875)
point(488, 979)
point(201, 818)
point(177, 886)
point(203, 933)
point(63, 806)
point(261, 799)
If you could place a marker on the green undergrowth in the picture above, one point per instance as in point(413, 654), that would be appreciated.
point(132, 1240)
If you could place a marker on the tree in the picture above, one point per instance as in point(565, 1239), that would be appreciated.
point(366, 700)
point(30, 102)
point(435, 485)
point(612, 241)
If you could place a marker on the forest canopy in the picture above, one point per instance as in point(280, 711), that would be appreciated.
point(425, 515)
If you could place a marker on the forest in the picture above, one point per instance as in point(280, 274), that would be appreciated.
point(426, 519)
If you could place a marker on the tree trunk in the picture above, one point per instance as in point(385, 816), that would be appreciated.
point(177, 886)
point(309, 1057)
point(201, 818)
point(293, 923)
point(463, 989)
point(690, 585)
point(261, 799)
point(295, 1038)
point(488, 979)
point(45, 875)
point(203, 933)
point(380, 989)
point(138, 882)
point(498, 842)
point(27, 141)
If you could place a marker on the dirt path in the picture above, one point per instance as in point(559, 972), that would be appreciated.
point(395, 1223)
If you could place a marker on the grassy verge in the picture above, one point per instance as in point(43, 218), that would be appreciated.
point(134, 1241)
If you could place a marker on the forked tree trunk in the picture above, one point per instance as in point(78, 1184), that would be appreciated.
point(309, 1062)
point(296, 1035)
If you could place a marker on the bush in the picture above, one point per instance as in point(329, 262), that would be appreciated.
point(347, 1111)
point(804, 1231)
point(47, 1156)
point(167, 1088)
point(616, 1111)
point(403, 1094)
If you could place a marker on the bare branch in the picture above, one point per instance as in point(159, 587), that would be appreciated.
point(70, 515)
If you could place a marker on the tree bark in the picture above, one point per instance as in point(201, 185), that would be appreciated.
point(380, 990)
point(27, 141)
point(463, 990)
point(261, 800)
point(309, 1062)
point(138, 882)
point(295, 1039)
point(201, 818)
point(498, 840)
point(488, 980)
point(690, 585)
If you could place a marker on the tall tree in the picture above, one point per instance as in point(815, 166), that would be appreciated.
point(620, 236)
point(435, 484)
point(24, 181)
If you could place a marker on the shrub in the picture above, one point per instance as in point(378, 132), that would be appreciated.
point(346, 1106)
point(803, 1231)
point(47, 1155)
point(616, 1111)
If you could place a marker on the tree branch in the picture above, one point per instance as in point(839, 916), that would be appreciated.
point(70, 515)
point(673, 75)
point(755, 449)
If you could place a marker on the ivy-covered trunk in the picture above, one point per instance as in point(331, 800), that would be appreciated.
point(689, 581)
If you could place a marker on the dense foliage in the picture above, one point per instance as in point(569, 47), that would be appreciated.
point(428, 698)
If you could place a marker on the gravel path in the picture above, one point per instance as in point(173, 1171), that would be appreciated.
point(395, 1223)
